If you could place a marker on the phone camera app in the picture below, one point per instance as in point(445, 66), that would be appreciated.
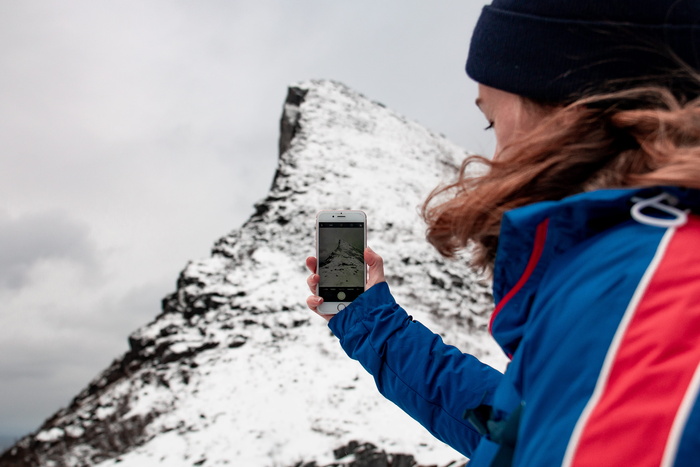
point(341, 295)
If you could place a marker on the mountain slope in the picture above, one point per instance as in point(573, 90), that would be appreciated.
point(236, 370)
point(342, 267)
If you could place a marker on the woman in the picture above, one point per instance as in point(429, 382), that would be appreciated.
point(588, 220)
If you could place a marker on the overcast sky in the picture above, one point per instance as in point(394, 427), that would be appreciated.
point(135, 133)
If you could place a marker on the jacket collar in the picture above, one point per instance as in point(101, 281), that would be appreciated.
point(532, 235)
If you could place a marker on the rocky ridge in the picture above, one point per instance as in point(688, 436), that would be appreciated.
point(235, 370)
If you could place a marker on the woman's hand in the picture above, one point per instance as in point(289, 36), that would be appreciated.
point(314, 300)
point(375, 276)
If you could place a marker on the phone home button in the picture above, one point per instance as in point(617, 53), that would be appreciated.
point(341, 306)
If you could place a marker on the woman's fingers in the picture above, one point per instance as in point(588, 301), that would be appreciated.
point(312, 282)
point(311, 263)
point(376, 268)
point(313, 301)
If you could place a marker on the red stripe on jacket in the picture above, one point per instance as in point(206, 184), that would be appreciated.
point(537, 248)
point(638, 411)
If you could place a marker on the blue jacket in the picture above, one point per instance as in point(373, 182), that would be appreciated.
point(597, 304)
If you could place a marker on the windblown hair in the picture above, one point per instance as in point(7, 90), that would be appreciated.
point(639, 137)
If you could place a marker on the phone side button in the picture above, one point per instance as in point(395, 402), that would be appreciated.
point(341, 306)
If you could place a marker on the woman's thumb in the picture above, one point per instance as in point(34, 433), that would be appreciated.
point(375, 263)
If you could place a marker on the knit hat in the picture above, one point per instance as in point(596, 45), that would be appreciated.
point(557, 50)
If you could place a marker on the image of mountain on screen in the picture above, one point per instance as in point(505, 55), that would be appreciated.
point(344, 267)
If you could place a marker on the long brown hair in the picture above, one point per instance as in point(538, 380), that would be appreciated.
point(639, 137)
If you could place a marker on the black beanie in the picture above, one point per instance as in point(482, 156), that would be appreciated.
point(558, 50)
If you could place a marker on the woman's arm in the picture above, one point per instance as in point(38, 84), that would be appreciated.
point(431, 381)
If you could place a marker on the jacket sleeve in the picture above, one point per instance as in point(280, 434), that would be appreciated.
point(431, 381)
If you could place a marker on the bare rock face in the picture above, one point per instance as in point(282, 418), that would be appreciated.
point(235, 370)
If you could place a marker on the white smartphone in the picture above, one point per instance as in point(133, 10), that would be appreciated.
point(341, 239)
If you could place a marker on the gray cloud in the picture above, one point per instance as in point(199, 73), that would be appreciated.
point(29, 240)
point(52, 350)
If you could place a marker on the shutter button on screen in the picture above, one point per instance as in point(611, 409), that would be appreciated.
point(341, 296)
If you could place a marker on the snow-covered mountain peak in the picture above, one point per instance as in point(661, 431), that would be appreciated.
point(236, 370)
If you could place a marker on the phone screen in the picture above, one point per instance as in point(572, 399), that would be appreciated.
point(341, 263)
